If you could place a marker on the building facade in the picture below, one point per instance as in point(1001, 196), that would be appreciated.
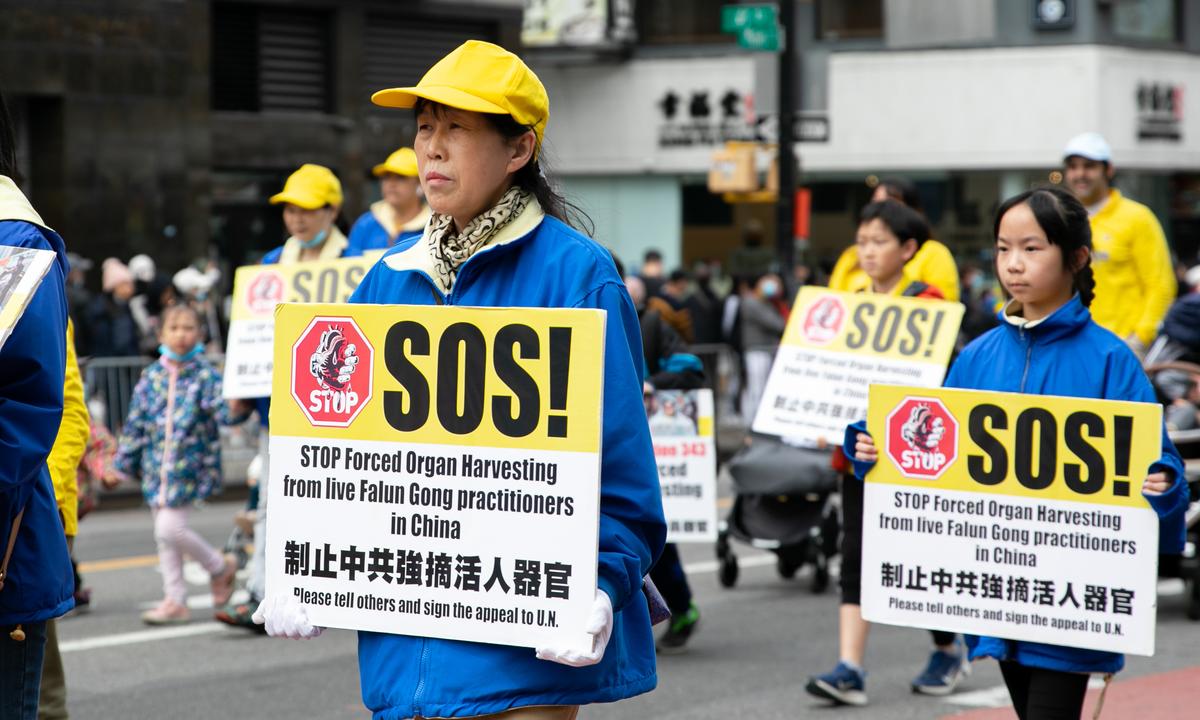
point(973, 99)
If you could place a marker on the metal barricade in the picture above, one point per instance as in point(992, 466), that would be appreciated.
point(108, 386)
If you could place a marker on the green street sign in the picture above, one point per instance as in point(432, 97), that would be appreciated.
point(760, 39)
point(735, 18)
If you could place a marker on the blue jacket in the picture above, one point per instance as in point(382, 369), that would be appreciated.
point(40, 584)
point(1065, 354)
point(537, 261)
point(368, 233)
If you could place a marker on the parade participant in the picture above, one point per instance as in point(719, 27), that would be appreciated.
point(35, 578)
point(400, 215)
point(311, 199)
point(1130, 252)
point(889, 235)
point(68, 451)
point(1048, 344)
point(498, 238)
point(932, 264)
point(761, 321)
point(170, 441)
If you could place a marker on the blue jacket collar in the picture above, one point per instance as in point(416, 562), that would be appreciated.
point(1067, 320)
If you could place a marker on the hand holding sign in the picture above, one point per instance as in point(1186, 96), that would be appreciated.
point(600, 625)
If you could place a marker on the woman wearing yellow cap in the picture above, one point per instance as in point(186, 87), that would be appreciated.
point(498, 238)
point(311, 199)
point(401, 214)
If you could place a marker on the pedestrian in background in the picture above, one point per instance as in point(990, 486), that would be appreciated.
point(498, 227)
point(933, 264)
point(311, 200)
point(400, 215)
point(1048, 344)
point(112, 330)
point(1135, 281)
point(762, 317)
point(35, 577)
point(171, 444)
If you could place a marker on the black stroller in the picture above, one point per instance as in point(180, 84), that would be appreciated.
point(782, 503)
point(1173, 364)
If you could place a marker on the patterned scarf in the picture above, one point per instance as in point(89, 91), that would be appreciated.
point(450, 251)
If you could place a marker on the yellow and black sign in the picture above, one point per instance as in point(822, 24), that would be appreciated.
point(901, 328)
point(258, 288)
point(495, 377)
point(1034, 446)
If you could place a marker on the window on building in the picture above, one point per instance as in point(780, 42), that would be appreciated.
point(666, 22)
point(849, 19)
point(399, 49)
point(1147, 20)
point(271, 59)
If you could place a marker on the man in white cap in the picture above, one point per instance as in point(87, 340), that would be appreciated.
point(1135, 282)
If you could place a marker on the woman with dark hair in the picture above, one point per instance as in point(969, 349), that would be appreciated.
point(1048, 344)
point(933, 263)
point(35, 569)
point(500, 236)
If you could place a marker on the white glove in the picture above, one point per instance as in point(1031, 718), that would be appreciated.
point(283, 616)
point(600, 625)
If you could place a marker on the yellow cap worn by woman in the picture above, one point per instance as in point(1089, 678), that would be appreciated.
point(498, 237)
point(311, 199)
point(401, 214)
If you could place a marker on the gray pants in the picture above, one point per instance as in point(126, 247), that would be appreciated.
point(257, 583)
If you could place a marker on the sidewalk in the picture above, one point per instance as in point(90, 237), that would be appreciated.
point(1164, 696)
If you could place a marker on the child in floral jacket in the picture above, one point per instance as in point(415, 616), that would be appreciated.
point(170, 441)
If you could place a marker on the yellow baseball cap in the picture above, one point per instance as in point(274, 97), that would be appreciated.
point(310, 187)
point(402, 162)
point(480, 77)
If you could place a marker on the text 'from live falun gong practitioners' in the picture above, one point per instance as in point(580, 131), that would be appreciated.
point(1015, 516)
point(435, 471)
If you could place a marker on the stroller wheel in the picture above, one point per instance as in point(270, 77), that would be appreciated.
point(786, 568)
point(728, 573)
point(820, 578)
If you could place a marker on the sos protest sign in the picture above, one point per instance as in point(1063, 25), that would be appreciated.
point(257, 289)
point(21, 272)
point(1014, 516)
point(837, 344)
point(681, 426)
point(435, 471)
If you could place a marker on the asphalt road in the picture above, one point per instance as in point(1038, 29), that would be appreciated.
point(756, 645)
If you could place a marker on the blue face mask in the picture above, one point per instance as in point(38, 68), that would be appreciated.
point(316, 241)
point(170, 354)
point(770, 288)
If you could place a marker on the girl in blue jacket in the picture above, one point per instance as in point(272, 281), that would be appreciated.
point(497, 238)
point(1048, 344)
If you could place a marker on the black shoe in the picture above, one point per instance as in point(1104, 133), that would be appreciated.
point(678, 632)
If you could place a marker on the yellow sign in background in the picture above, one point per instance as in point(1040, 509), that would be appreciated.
point(901, 328)
point(328, 281)
point(1013, 444)
point(572, 411)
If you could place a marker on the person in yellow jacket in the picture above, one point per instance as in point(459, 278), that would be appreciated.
point(1135, 280)
point(63, 460)
point(933, 264)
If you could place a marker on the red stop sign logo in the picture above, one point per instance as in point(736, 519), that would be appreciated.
point(331, 371)
point(922, 438)
point(824, 320)
point(265, 292)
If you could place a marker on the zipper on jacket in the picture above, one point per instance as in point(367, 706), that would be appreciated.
point(421, 676)
point(172, 377)
point(1028, 340)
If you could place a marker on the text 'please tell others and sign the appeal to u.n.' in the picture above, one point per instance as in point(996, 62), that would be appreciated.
point(1013, 516)
point(435, 471)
